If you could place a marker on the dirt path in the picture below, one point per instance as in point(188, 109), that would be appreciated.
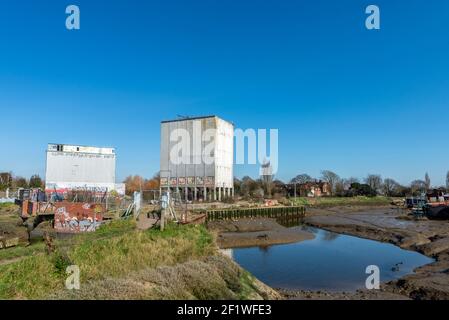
point(255, 232)
point(9, 261)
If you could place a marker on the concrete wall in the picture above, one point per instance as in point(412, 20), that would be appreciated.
point(197, 173)
point(80, 167)
point(224, 159)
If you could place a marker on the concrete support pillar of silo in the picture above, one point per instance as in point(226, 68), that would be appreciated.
point(215, 194)
point(232, 192)
point(195, 193)
point(205, 194)
point(220, 190)
point(186, 194)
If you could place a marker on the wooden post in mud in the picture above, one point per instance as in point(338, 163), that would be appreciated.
point(162, 219)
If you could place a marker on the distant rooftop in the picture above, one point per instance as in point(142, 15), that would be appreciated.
point(60, 147)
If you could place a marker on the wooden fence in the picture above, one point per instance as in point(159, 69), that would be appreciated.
point(270, 212)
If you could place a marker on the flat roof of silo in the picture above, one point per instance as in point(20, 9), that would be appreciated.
point(195, 118)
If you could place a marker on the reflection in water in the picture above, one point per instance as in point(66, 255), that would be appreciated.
point(330, 236)
point(290, 220)
point(331, 262)
point(264, 249)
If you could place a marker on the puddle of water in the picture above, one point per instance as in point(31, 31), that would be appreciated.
point(331, 262)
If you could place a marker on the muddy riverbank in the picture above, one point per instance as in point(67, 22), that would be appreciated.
point(388, 224)
point(255, 232)
point(382, 223)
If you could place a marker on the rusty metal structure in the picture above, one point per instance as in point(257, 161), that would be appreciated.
point(78, 214)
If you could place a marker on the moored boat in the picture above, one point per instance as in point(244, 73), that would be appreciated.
point(437, 206)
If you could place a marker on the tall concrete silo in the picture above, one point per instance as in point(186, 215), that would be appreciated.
point(197, 157)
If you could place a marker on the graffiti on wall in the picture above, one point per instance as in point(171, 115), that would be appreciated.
point(78, 217)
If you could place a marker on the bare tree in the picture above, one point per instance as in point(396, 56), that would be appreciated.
point(390, 187)
point(352, 180)
point(349, 181)
point(20, 182)
point(418, 187)
point(427, 181)
point(248, 186)
point(6, 180)
point(330, 177)
point(374, 181)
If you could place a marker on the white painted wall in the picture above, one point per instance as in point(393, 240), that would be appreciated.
point(80, 167)
point(221, 170)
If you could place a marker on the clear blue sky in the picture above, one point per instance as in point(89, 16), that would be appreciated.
point(343, 98)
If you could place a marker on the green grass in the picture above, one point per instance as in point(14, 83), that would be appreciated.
point(7, 205)
point(120, 262)
point(114, 250)
point(246, 280)
point(214, 277)
point(342, 201)
point(29, 278)
point(22, 251)
point(300, 201)
point(8, 210)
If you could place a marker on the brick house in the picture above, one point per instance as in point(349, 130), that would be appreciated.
point(314, 189)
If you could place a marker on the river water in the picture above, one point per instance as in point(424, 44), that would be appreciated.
point(331, 262)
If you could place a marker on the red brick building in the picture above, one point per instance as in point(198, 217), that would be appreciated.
point(314, 189)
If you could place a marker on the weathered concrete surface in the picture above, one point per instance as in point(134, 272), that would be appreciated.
point(397, 227)
point(255, 232)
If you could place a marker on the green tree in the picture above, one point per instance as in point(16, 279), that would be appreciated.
point(302, 178)
point(36, 182)
point(358, 189)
